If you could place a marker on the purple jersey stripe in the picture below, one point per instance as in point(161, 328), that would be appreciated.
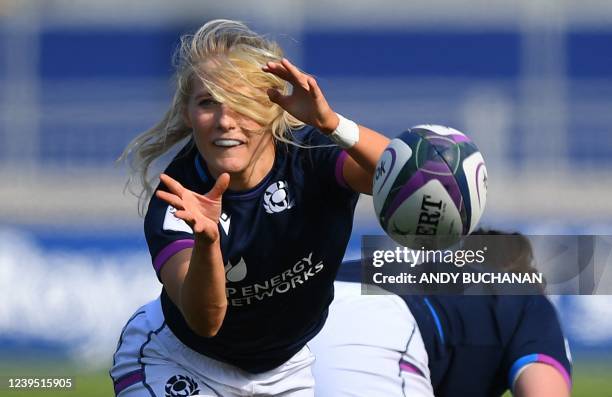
point(170, 250)
point(339, 169)
point(408, 367)
point(545, 359)
point(519, 364)
point(128, 380)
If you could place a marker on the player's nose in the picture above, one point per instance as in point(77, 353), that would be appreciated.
point(227, 118)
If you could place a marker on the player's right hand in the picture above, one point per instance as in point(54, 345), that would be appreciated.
point(201, 212)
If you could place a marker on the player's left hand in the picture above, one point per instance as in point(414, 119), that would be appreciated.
point(306, 102)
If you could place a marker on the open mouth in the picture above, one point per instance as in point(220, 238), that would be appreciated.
point(227, 142)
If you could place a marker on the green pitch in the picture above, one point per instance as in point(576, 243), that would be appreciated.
point(591, 379)
point(85, 382)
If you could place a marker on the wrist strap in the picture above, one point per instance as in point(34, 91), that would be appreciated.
point(346, 135)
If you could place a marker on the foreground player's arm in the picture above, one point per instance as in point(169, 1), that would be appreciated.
point(194, 278)
point(541, 380)
point(360, 165)
point(308, 104)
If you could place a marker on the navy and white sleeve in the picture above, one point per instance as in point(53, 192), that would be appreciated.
point(538, 339)
point(166, 234)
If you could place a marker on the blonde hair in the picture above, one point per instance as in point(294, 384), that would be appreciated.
point(227, 58)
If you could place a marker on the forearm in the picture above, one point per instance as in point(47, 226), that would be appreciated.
point(359, 167)
point(368, 149)
point(203, 299)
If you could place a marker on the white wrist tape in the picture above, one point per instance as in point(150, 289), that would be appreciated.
point(346, 135)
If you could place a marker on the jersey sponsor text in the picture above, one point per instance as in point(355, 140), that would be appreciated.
point(302, 271)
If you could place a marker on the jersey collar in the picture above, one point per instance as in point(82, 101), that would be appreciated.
point(257, 190)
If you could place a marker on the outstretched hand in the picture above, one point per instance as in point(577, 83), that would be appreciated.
point(306, 102)
point(201, 212)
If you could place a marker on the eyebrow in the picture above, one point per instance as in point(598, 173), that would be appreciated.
point(203, 94)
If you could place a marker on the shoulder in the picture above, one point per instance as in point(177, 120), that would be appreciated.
point(314, 150)
point(182, 167)
point(308, 136)
point(537, 311)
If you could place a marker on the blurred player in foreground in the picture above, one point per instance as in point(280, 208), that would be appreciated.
point(447, 346)
point(248, 226)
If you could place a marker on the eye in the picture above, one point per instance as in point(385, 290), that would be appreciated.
point(207, 102)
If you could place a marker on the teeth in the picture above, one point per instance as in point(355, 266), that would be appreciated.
point(227, 142)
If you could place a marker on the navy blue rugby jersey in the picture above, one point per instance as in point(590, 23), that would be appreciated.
point(478, 345)
point(282, 242)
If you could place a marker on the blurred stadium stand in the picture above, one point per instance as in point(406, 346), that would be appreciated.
point(529, 80)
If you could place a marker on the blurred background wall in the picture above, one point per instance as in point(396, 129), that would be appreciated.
point(529, 80)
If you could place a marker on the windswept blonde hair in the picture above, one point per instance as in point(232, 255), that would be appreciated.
point(227, 57)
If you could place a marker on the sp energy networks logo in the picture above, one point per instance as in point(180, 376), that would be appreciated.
point(276, 198)
point(235, 273)
point(292, 277)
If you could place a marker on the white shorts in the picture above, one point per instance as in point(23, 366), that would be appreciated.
point(370, 346)
point(151, 361)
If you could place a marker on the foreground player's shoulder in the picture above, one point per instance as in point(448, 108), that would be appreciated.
point(182, 168)
point(307, 135)
point(322, 159)
point(165, 233)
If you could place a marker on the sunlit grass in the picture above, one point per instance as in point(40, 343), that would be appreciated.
point(592, 378)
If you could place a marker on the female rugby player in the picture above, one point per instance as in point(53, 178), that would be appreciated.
point(248, 226)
